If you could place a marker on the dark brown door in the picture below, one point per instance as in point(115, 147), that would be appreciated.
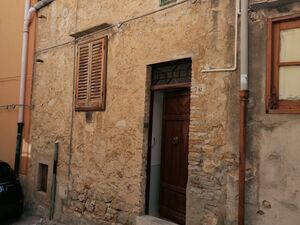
point(174, 165)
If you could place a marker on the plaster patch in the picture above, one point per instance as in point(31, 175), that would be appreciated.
point(121, 123)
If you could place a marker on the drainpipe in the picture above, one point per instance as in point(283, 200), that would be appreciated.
point(27, 18)
point(244, 97)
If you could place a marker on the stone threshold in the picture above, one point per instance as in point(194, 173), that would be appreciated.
point(151, 220)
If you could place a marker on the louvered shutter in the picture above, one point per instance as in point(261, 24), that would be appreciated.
point(82, 76)
point(91, 75)
point(98, 73)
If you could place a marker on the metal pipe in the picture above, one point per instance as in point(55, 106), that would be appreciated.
point(18, 147)
point(27, 17)
point(20, 123)
point(42, 3)
point(244, 45)
point(244, 97)
point(234, 67)
point(24, 61)
point(53, 186)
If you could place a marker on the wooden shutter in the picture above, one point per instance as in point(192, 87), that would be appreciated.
point(91, 75)
point(98, 73)
point(82, 76)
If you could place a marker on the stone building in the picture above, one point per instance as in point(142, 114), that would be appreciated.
point(146, 126)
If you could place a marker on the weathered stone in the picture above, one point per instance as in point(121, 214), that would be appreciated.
point(90, 205)
point(79, 207)
point(73, 195)
point(81, 197)
point(100, 208)
point(122, 218)
point(266, 204)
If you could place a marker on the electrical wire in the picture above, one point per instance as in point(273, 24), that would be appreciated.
point(13, 106)
point(119, 24)
point(2, 77)
point(153, 12)
point(15, 78)
point(55, 46)
point(9, 78)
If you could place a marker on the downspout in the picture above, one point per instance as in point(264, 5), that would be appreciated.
point(244, 97)
point(27, 18)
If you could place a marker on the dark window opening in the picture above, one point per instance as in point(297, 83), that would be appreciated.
point(165, 2)
point(174, 72)
point(43, 177)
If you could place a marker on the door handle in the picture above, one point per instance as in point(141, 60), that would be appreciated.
point(175, 140)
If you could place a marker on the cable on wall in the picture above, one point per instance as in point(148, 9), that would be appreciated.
point(119, 24)
point(13, 106)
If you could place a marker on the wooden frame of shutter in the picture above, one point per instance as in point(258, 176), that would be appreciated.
point(273, 104)
point(91, 72)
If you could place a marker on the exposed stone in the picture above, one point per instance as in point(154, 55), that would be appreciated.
point(260, 212)
point(90, 205)
point(73, 195)
point(266, 204)
point(122, 218)
point(81, 197)
point(79, 207)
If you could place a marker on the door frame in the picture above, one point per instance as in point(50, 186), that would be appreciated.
point(175, 216)
point(176, 86)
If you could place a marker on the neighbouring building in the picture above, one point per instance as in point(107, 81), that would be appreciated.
point(147, 121)
point(11, 30)
point(11, 24)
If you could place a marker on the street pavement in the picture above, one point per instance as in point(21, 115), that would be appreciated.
point(28, 220)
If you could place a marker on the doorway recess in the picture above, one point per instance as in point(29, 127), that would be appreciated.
point(167, 168)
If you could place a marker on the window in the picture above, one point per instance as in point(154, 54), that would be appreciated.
point(43, 177)
point(165, 2)
point(283, 75)
point(91, 75)
point(170, 74)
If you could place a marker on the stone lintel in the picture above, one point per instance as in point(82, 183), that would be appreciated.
point(91, 30)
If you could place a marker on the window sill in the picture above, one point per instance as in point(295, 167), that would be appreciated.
point(283, 111)
point(285, 107)
point(88, 109)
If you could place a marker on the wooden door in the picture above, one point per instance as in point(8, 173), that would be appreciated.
point(174, 164)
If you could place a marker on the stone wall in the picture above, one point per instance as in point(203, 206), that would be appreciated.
point(102, 161)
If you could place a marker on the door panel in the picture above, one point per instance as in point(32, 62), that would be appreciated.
point(174, 165)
